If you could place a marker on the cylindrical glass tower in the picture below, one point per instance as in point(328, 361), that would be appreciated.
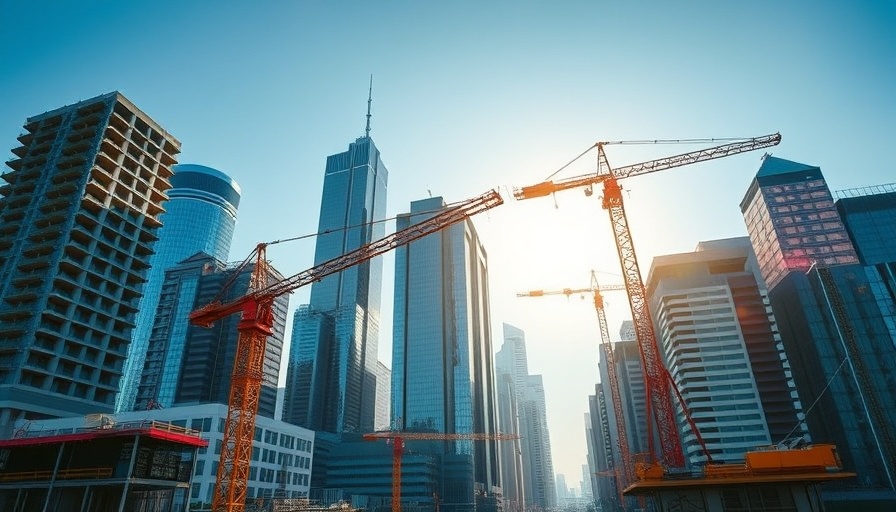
point(200, 215)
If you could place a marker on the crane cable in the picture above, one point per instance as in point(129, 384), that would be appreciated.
point(806, 412)
point(647, 141)
point(239, 267)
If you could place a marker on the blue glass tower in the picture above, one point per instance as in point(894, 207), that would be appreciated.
point(331, 379)
point(834, 318)
point(186, 364)
point(199, 217)
point(443, 377)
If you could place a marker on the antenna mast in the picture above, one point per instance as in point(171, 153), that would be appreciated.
point(369, 101)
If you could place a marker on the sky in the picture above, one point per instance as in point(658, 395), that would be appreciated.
point(469, 96)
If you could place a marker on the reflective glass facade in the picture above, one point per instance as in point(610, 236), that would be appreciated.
point(187, 364)
point(442, 362)
point(792, 221)
point(870, 218)
point(836, 320)
point(339, 354)
point(200, 216)
point(869, 214)
point(842, 356)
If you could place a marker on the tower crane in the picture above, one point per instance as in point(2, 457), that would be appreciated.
point(398, 439)
point(655, 372)
point(256, 324)
point(624, 476)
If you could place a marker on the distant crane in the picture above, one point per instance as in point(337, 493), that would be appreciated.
point(399, 437)
point(655, 374)
point(256, 324)
point(625, 475)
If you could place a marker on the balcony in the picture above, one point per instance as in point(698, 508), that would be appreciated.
point(9, 328)
point(25, 138)
point(20, 151)
point(15, 164)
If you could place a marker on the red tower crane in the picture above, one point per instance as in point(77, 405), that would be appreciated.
point(256, 324)
point(654, 370)
point(625, 475)
point(398, 438)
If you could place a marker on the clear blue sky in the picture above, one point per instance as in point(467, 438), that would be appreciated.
point(470, 96)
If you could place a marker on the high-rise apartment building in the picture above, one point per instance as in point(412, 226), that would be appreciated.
point(188, 364)
point(79, 214)
point(331, 380)
point(443, 377)
point(200, 215)
point(537, 461)
point(720, 343)
point(833, 322)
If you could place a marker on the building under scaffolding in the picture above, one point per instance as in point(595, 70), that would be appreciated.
point(142, 466)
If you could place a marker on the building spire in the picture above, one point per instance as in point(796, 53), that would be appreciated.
point(369, 101)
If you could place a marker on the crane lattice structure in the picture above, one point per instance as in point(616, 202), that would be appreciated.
point(398, 438)
point(256, 324)
point(655, 373)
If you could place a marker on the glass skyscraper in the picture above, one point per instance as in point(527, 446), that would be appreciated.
point(833, 322)
point(792, 220)
point(200, 216)
point(537, 463)
point(442, 359)
point(79, 214)
point(331, 380)
point(188, 364)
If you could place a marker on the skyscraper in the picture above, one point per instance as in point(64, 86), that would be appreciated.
point(511, 419)
point(869, 215)
point(331, 380)
point(442, 363)
point(200, 215)
point(600, 451)
point(833, 324)
point(792, 220)
point(721, 345)
point(537, 463)
point(187, 364)
point(78, 219)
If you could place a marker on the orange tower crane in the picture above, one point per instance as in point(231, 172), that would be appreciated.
point(625, 475)
point(655, 373)
point(399, 437)
point(256, 324)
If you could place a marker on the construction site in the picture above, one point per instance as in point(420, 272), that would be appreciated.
point(774, 478)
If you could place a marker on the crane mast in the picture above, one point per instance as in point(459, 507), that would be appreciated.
point(256, 324)
point(656, 382)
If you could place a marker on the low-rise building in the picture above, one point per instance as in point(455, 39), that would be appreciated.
point(281, 452)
